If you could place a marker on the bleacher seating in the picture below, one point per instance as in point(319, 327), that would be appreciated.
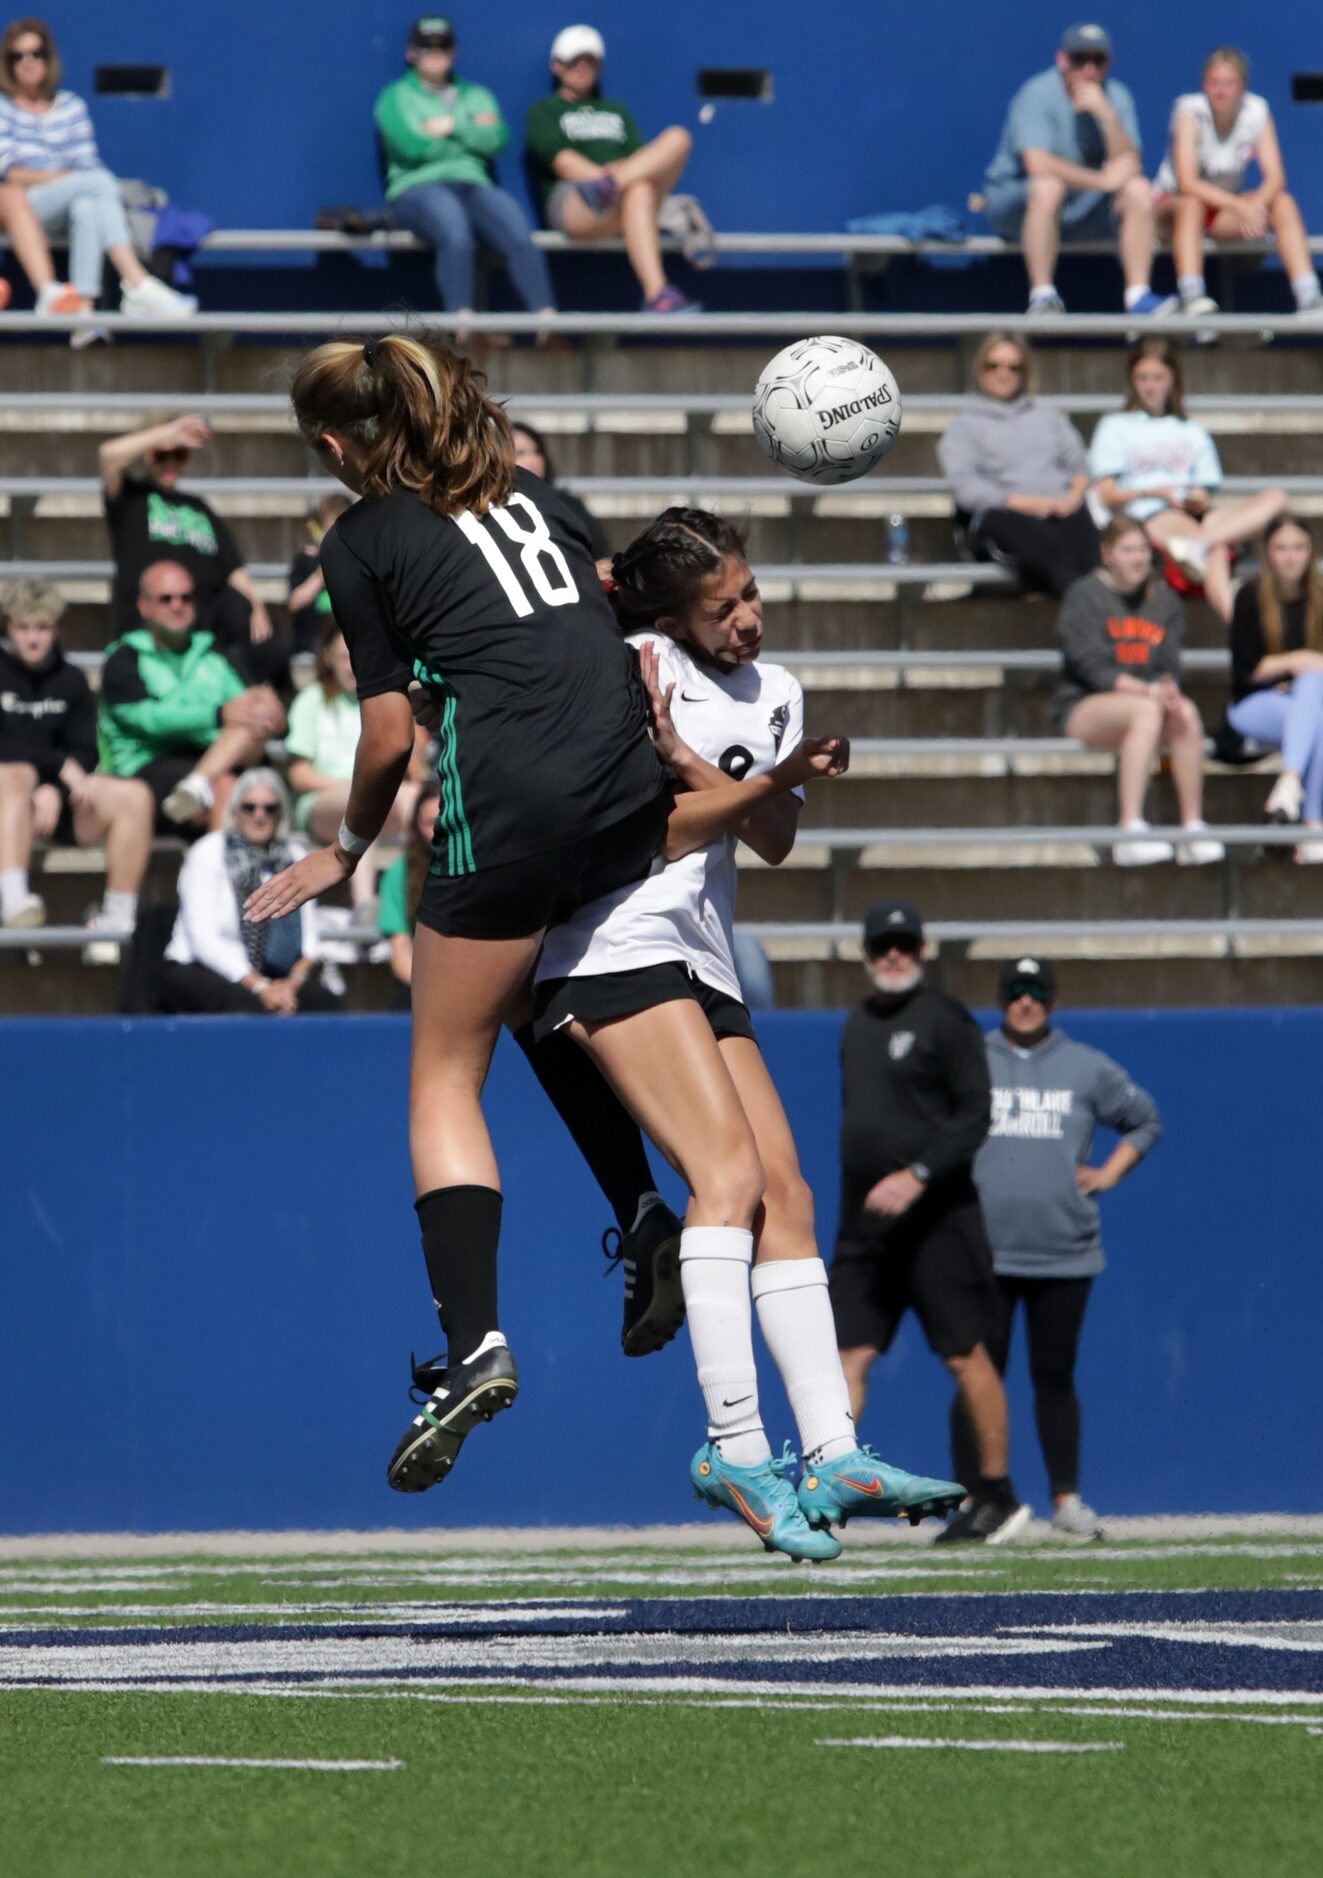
point(958, 795)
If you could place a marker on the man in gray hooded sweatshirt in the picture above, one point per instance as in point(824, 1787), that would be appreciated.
point(1039, 1198)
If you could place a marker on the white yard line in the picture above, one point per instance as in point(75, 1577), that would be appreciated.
point(990, 1747)
point(221, 1760)
point(594, 1539)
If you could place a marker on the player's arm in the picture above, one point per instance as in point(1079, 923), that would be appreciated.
point(699, 816)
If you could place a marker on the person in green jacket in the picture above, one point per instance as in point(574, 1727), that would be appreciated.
point(596, 175)
point(173, 711)
point(440, 135)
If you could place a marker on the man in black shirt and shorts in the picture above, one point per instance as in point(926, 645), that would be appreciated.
point(917, 1105)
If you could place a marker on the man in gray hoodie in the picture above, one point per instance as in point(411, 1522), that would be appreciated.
point(1039, 1198)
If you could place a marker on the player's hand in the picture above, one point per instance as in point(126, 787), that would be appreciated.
point(1091, 1180)
point(285, 892)
point(894, 1195)
point(426, 710)
point(46, 805)
point(815, 760)
point(666, 739)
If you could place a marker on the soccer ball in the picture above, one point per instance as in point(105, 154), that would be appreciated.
point(827, 410)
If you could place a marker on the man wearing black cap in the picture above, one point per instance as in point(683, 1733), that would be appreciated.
point(1039, 1195)
point(1070, 163)
point(916, 1108)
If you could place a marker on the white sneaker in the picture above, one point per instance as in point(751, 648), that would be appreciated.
point(1309, 854)
point(188, 799)
point(57, 296)
point(1199, 852)
point(1138, 851)
point(1075, 1519)
point(1190, 555)
point(1286, 800)
point(30, 911)
point(101, 951)
point(1200, 308)
point(151, 299)
point(1051, 304)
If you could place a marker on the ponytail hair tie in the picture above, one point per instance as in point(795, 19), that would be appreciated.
point(371, 352)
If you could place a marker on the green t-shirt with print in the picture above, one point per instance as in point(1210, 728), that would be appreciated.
point(601, 129)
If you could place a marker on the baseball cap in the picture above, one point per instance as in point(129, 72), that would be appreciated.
point(1086, 38)
point(574, 42)
point(891, 919)
point(1028, 975)
point(429, 27)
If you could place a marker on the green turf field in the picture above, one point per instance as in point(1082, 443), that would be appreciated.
point(610, 1706)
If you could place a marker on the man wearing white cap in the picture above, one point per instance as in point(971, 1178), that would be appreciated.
point(595, 174)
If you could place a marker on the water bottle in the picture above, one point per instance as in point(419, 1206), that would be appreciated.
point(898, 541)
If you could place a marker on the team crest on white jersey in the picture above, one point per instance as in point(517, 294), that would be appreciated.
point(899, 1044)
point(778, 720)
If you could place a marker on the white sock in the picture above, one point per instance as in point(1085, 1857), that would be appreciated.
point(120, 909)
point(1191, 287)
point(714, 1271)
point(1038, 294)
point(795, 1317)
point(1307, 291)
point(13, 889)
point(201, 787)
point(1133, 295)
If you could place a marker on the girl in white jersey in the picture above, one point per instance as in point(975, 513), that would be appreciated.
point(645, 980)
point(1200, 189)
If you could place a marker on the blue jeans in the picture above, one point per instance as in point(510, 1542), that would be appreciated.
point(86, 207)
point(1294, 721)
point(449, 215)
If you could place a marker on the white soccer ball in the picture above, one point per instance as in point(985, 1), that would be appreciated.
point(827, 410)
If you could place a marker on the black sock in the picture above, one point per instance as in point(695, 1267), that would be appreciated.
point(604, 1131)
point(996, 1486)
point(461, 1227)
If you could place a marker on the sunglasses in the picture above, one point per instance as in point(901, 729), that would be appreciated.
point(175, 599)
point(40, 58)
point(435, 45)
point(1036, 992)
point(1079, 60)
point(908, 947)
point(170, 456)
point(259, 808)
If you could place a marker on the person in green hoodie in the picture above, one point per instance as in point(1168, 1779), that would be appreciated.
point(173, 711)
point(440, 135)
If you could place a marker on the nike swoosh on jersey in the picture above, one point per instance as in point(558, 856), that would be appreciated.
point(688, 700)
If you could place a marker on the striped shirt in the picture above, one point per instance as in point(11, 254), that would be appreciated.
point(61, 138)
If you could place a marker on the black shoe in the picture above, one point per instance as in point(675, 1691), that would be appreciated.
point(986, 1519)
point(457, 1399)
point(654, 1297)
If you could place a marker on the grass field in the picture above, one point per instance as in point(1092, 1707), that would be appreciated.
point(617, 1705)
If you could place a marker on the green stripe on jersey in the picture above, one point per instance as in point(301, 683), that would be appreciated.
point(454, 825)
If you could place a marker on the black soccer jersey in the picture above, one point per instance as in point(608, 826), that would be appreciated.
point(543, 715)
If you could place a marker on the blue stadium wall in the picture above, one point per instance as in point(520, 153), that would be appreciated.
point(876, 106)
point(212, 1283)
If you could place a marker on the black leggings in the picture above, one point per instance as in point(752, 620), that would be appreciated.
point(1054, 1315)
point(1047, 551)
point(196, 990)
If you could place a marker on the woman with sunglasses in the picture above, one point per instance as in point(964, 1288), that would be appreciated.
point(461, 574)
point(1019, 473)
point(48, 150)
point(218, 961)
point(151, 518)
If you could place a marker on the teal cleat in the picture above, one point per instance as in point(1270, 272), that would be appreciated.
point(860, 1484)
point(763, 1499)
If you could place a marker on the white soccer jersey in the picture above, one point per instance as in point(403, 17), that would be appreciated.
point(744, 721)
point(1222, 160)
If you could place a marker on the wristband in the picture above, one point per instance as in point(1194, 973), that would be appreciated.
point(352, 844)
point(921, 1173)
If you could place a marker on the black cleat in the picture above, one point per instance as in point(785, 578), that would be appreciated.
point(457, 1398)
point(654, 1297)
point(986, 1519)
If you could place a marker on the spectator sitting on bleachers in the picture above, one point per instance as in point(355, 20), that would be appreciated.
point(1121, 635)
point(401, 885)
point(440, 135)
point(1068, 165)
point(216, 960)
point(309, 603)
point(48, 149)
point(1156, 465)
point(48, 757)
point(595, 174)
point(1277, 673)
point(531, 453)
point(1200, 189)
point(151, 519)
point(173, 711)
point(1019, 473)
point(324, 725)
